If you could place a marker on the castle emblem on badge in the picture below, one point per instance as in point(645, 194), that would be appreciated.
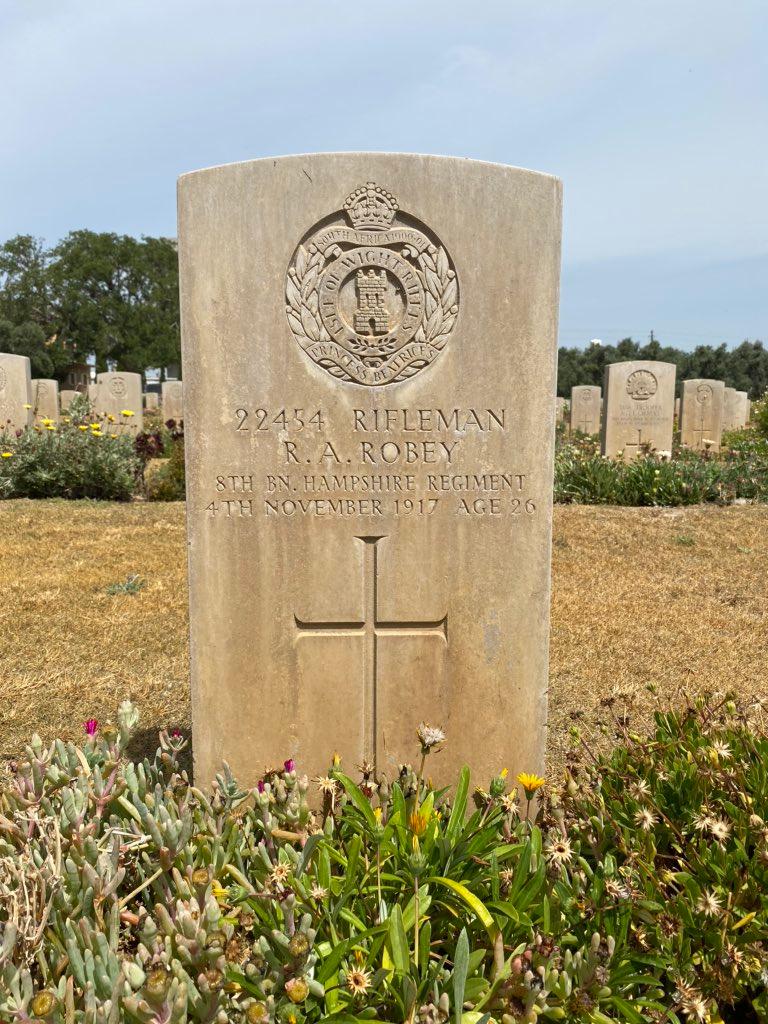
point(376, 302)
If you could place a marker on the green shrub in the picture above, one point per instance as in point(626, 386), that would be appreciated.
point(167, 483)
point(760, 416)
point(583, 476)
point(77, 460)
point(126, 893)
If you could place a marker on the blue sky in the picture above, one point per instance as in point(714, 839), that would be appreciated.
point(654, 114)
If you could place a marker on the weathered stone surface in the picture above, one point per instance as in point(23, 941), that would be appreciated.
point(369, 406)
point(173, 400)
point(45, 399)
point(638, 408)
point(151, 401)
point(116, 395)
point(586, 401)
point(702, 414)
point(15, 393)
point(730, 409)
point(742, 408)
point(561, 410)
point(65, 398)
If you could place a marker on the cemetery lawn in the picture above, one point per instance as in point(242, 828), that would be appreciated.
point(674, 597)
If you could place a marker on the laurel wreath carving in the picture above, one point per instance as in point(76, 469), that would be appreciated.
point(441, 292)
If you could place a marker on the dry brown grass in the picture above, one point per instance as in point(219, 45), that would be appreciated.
point(674, 597)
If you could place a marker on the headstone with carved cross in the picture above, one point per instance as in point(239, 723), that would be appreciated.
point(15, 393)
point(701, 414)
point(369, 359)
point(639, 408)
point(586, 403)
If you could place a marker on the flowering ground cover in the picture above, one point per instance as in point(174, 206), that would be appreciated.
point(93, 606)
point(636, 891)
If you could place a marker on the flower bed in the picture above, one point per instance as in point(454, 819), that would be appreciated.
point(639, 894)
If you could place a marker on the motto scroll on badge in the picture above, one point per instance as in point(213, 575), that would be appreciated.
point(376, 302)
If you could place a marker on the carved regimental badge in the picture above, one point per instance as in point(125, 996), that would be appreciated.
point(372, 294)
point(642, 385)
point(703, 394)
point(117, 387)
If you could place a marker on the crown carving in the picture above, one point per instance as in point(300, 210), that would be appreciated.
point(370, 208)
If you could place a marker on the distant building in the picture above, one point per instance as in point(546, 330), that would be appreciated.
point(77, 378)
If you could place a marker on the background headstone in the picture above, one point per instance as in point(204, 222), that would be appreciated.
point(65, 398)
point(117, 393)
point(45, 399)
point(585, 408)
point(151, 400)
point(730, 409)
point(173, 400)
point(561, 410)
point(15, 393)
point(742, 408)
point(639, 407)
point(702, 413)
point(369, 467)
point(677, 411)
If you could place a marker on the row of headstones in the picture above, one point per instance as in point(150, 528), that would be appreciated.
point(640, 409)
point(24, 399)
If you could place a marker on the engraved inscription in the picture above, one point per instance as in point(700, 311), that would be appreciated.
point(374, 303)
point(363, 467)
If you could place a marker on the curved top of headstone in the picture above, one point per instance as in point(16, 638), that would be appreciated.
point(364, 155)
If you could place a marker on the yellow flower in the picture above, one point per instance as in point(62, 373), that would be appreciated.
point(217, 892)
point(113, 436)
point(82, 426)
point(530, 783)
point(110, 417)
point(7, 455)
point(46, 422)
point(126, 412)
point(377, 812)
point(418, 823)
point(27, 405)
point(50, 426)
point(504, 773)
point(96, 433)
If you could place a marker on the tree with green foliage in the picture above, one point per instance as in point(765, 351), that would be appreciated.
point(99, 293)
point(117, 297)
point(744, 367)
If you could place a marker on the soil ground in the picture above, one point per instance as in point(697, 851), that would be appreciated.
point(672, 599)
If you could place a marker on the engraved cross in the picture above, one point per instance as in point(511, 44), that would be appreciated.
point(371, 628)
point(636, 444)
point(701, 431)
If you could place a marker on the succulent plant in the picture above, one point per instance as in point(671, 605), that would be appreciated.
point(129, 894)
